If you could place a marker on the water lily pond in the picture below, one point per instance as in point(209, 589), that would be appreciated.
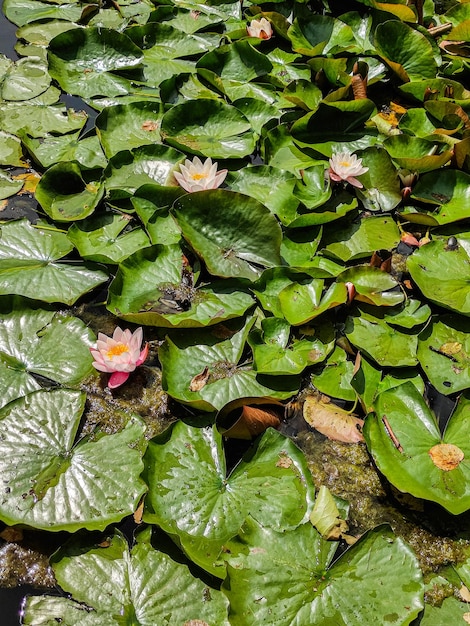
point(234, 313)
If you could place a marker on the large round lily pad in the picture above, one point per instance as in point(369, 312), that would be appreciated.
point(235, 235)
point(65, 484)
point(30, 265)
point(142, 581)
point(272, 483)
point(38, 344)
point(442, 272)
point(85, 61)
point(209, 128)
point(404, 439)
point(290, 572)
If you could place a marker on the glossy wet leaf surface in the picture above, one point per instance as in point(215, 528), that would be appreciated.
point(66, 485)
point(403, 435)
point(292, 278)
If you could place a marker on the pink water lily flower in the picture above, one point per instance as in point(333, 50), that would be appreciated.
point(119, 355)
point(346, 166)
point(260, 28)
point(198, 176)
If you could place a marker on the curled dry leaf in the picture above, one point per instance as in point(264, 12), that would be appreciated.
point(199, 381)
point(332, 421)
point(252, 422)
point(464, 593)
point(139, 512)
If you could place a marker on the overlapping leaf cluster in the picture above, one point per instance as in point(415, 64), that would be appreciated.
point(278, 276)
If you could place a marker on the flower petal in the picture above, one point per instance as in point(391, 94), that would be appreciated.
point(117, 379)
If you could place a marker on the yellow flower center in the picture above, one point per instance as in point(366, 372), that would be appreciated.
point(345, 164)
point(198, 176)
point(116, 350)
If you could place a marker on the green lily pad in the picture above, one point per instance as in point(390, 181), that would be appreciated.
point(11, 153)
point(30, 265)
point(22, 12)
point(442, 273)
point(405, 442)
point(299, 247)
point(127, 126)
point(156, 287)
point(408, 315)
point(219, 350)
point(272, 483)
point(320, 34)
point(152, 203)
point(85, 61)
point(65, 196)
point(130, 169)
point(372, 285)
point(38, 120)
point(333, 208)
point(235, 235)
point(312, 190)
point(208, 127)
point(381, 184)
point(273, 187)
point(302, 302)
point(444, 353)
point(25, 79)
point(164, 46)
point(258, 112)
point(335, 378)
point(416, 154)
point(405, 50)
point(290, 572)
point(344, 121)
point(446, 189)
point(99, 238)
point(8, 186)
point(126, 583)
point(37, 344)
point(47, 151)
point(385, 345)
point(63, 484)
point(238, 61)
point(275, 354)
point(358, 239)
point(40, 34)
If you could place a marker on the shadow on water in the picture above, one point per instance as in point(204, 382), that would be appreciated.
point(7, 36)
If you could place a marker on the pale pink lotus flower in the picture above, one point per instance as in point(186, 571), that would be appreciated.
point(198, 176)
point(119, 355)
point(346, 166)
point(260, 28)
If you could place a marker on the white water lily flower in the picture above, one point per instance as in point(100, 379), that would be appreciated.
point(197, 176)
point(346, 166)
point(119, 355)
point(260, 28)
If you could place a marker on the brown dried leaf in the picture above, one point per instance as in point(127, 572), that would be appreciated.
point(252, 422)
point(446, 456)
point(332, 421)
point(466, 617)
point(464, 593)
point(199, 381)
point(139, 512)
point(30, 181)
point(150, 125)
